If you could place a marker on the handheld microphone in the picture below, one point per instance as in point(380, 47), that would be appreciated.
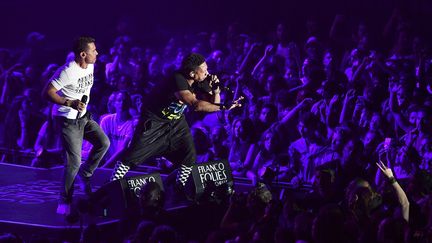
point(83, 100)
point(220, 86)
point(217, 85)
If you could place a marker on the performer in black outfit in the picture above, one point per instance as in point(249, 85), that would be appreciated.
point(163, 130)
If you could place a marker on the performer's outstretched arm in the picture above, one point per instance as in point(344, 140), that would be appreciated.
point(189, 98)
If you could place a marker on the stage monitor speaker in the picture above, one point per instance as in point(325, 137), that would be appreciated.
point(216, 174)
point(115, 198)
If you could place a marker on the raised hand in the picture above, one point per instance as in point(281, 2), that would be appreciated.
point(350, 95)
point(254, 46)
point(15, 67)
point(240, 79)
point(305, 101)
point(334, 99)
point(268, 50)
point(236, 103)
point(393, 87)
point(385, 170)
point(248, 93)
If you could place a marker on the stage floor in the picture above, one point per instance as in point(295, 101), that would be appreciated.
point(29, 197)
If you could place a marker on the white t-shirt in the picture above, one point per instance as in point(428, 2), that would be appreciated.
point(73, 82)
point(116, 133)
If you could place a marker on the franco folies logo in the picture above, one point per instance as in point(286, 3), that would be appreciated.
point(217, 172)
point(135, 183)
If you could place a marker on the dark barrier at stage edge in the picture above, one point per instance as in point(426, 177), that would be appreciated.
point(212, 173)
point(115, 197)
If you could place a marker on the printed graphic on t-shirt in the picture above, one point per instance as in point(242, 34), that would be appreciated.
point(174, 111)
point(84, 83)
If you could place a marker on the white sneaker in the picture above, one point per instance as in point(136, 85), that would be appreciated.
point(63, 208)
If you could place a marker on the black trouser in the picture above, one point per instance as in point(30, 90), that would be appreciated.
point(155, 136)
point(159, 137)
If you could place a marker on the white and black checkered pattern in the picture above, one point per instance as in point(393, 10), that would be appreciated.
point(183, 174)
point(120, 171)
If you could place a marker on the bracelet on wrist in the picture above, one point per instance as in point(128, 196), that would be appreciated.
point(392, 180)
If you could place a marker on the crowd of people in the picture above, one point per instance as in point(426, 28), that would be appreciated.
point(348, 113)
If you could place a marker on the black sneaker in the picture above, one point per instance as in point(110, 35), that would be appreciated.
point(64, 208)
point(183, 192)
